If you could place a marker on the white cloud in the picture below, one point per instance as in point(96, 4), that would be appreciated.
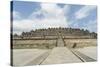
point(50, 10)
point(91, 26)
point(54, 11)
point(84, 12)
point(22, 25)
point(16, 15)
point(27, 25)
point(53, 17)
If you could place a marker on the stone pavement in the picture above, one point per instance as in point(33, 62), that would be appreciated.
point(26, 56)
point(58, 55)
point(61, 55)
point(89, 51)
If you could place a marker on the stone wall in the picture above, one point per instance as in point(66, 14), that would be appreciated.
point(55, 32)
point(43, 44)
point(80, 42)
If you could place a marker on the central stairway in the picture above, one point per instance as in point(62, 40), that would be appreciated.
point(61, 54)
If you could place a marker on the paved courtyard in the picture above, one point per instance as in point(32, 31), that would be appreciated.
point(57, 55)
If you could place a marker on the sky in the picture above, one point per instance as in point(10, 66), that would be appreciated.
point(36, 15)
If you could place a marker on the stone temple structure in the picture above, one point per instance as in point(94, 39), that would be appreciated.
point(53, 37)
point(54, 46)
point(55, 32)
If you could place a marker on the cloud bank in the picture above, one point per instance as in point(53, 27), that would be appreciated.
point(52, 15)
point(49, 15)
point(84, 12)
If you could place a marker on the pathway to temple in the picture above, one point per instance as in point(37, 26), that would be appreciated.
point(57, 55)
point(60, 55)
point(60, 42)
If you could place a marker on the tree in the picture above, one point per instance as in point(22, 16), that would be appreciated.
point(23, 33)
point(15, 35)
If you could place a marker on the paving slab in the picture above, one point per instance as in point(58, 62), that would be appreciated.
point(60, 55)
point(23, 57)
point(89, 51)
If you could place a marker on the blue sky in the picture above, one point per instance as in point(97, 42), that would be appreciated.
point(35, 15)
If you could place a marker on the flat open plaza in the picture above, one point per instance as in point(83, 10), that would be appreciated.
point(60, 54)
point(57, 55)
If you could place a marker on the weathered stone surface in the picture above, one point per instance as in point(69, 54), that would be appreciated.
point(89, 51)
point(60, 55)
point(66, 32)
point(80, 43)
point(23, 57)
